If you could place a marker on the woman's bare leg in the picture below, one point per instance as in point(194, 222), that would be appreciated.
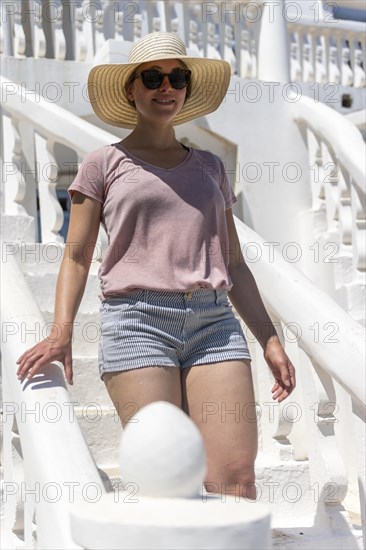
point(132, 389)
point(219, 397)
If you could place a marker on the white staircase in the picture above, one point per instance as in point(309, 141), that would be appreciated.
point(310, 468)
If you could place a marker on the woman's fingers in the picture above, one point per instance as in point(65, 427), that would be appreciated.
point(27, 363)
point(40, 355)
point(284, 373)
point(68, 369)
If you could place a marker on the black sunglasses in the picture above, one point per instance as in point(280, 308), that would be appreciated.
point(153, 79)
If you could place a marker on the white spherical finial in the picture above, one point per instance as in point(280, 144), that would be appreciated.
point(162, 452)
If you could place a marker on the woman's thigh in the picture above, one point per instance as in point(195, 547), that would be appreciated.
point(219, 397)
point(132, 389)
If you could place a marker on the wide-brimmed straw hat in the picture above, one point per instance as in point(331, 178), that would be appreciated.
point(210, 80)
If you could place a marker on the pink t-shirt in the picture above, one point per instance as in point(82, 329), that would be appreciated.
point(166, 227)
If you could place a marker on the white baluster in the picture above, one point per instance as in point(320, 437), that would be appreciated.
point(351, 37)
point(254, 57)
point(8, 8)
point(38, 36)
point(99, 31)
point(229, 55)
point(320, 67)
point(359, 72)
point(276, 424)
point(212, 40)
point(152, 16)
point(327, 469)
point(315, 162)
point(19, 36)
point(330, 185)
point(193, 37)
point(295, 65)
point(108, 9)
point(14, 187)
point(182, 16)
point(83, 31)
point(334, 72)
point(345, 210)
point(325, 39)
point(300, 41)
point(347, 74)
point(118, 26)
point(145, 8)
point(160, 7)
point(174, 25)
point(51, 213)
point(58, 37)
point(246, 66)
point(131, 15)
point(195, 28)
point(308, 69)
point(313, 40)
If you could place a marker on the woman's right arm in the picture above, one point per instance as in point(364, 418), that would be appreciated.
point(81, 238)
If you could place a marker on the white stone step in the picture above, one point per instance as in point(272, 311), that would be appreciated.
point(102, 430)
point(87, 386)
point(43, 286)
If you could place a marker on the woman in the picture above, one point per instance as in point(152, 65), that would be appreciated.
point(168, 331)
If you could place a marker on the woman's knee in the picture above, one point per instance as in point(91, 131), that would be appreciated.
point(235, 477)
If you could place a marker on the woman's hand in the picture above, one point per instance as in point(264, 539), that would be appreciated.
point(50, 349)
point(281, 367)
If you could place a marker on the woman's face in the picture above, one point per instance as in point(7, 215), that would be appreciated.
point(162, 104)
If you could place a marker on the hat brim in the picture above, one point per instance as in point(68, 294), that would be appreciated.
point(209, 83)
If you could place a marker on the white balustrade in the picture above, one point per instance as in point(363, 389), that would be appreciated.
point(337, 159)
point(53, 458)
point(327, 50)
point(325, 35)
point(304, 303)
point(38, 117)
point(332, 398)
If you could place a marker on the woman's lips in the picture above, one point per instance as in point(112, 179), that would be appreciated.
point(164, 101)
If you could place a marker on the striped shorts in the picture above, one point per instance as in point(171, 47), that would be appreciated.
point(178, 329)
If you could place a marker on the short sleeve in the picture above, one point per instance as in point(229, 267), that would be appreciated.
point(90, 177)
point(226, 189)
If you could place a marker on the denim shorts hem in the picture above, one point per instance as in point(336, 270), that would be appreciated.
point(209, 360)
point(137, 366)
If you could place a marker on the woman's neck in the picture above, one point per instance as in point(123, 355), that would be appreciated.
point(149, 136)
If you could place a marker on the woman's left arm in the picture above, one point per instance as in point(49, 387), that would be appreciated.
point(245, 297)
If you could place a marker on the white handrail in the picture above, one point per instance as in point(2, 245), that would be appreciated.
point(85, 137)
point(294, 299)
point(340, 136)
point(55, 453)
